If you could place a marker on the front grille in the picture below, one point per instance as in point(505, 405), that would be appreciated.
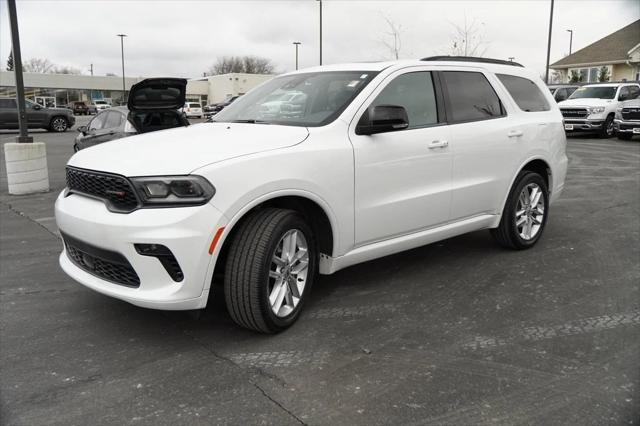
point(574, 112)
point(631, 113)
point(115, 190)
point(108, 265)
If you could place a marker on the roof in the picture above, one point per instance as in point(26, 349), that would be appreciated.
point(614, 48)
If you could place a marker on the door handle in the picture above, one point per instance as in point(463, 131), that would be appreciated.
point(515, 133)
point(438, 144)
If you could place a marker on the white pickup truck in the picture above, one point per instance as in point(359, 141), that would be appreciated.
point(592, 108)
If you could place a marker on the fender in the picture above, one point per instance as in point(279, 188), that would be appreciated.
point(512, 181)
point(235, 218)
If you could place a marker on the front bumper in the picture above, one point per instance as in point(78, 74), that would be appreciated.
point(71, 119)
point(582, 125)
point(627, 126)
point(186, 231)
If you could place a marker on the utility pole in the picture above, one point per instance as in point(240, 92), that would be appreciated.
point(91, 70)
point(122, 36)
point(570, 40)
point(320, 31)
point(546, 74)
point(297, 43)
point(17, 70)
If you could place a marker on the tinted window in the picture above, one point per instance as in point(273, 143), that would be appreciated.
point(525, 93)
point(634, 91)
point(98, 122)
point(471, 97)
point(8, 103)
point(114, 119)
point(413, 91)
point(595, 92)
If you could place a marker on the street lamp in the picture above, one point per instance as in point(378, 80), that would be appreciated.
point(320, 31)
point(297, 43)
point(122, 36)
point(546, 74)
point(570, 40)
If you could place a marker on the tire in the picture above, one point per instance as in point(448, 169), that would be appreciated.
point(252, 272)
point(625, 136)
point(607, 130)
point(508, 233)
point(58, 124)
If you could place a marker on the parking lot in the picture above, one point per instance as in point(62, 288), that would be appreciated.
point(458, 332)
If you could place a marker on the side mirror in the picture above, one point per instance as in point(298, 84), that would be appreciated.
point(383, 118)
point(83, 129)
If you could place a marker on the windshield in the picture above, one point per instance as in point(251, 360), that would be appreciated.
point(311, 99)
point(101, 102)
point(594, 92)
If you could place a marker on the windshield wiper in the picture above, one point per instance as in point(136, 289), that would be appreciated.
point(250, 121)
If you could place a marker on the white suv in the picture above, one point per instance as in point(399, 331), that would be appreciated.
point(380, 158)
point(592, 108)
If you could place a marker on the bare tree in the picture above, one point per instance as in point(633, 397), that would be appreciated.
point(393, 41)
point(468, 39)
point(241, 64)
point(66, 70)
point(38, 65)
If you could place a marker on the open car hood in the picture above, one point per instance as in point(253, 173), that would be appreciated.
point(157, 93)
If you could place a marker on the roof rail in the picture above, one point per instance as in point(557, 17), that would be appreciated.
point(471, 59)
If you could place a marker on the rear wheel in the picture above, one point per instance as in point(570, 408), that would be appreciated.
point(58, 124)
point(525, 213)
point(270, 268)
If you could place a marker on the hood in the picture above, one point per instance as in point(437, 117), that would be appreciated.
point(586, 102)
point(634, 103)
point(157, 93)
point(182, 150)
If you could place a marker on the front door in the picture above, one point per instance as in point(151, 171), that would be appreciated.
point(402, 177)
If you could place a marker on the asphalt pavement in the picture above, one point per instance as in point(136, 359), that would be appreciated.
point(455, 333)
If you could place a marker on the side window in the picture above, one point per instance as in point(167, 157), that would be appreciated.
point(525, 93)
point(624, 93)
point(8, 103)
point(114, 119)
point(98, 122)
point(634, 91)
point(570, 91)
point(561, 95)
point(471, 97)
point(413, 91)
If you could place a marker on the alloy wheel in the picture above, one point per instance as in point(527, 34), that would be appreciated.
point(530, 211)
point(288, 273)
point(59, 124)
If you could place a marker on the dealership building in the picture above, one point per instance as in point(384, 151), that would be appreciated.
point(55, 90)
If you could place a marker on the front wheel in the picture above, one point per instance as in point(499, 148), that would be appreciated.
point(525, 213)
point(608, 128)
point(58, 124)
point(269, 271)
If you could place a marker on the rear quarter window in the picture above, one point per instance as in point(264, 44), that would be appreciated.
point(525, 92)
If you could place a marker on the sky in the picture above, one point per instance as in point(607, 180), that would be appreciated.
point(183, 38)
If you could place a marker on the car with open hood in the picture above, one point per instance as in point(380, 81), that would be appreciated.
point(371, 159)
point(154, 104)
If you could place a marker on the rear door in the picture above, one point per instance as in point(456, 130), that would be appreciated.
point(8, 113)
point(403, 177)
point(483, 142)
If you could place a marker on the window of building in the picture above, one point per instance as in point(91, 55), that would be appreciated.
point(471, 97)
point(525, 93)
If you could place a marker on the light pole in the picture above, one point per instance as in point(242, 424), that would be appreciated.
point(546, 74)
point(297, 43)
point(570, 40)
point(320, 31)
point(122, 36)
point(17, 69)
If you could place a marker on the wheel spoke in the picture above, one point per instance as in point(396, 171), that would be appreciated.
point(536, 198)
point(275, 274)
point(277, 295)
point(300, 254)
point(521, 221)
point(278, 261)
point(293, 286)
point(300, 267)
point(289, 245)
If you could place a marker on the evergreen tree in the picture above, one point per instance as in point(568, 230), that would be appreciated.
point(10, 62)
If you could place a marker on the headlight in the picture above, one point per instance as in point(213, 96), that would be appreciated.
point(618, 114)
point(170, 191)
point(596, 110)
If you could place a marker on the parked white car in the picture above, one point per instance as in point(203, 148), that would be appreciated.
point(192, 109)
point(592, 108)
point(101, 105)
point(627, 120)
point(385, 157)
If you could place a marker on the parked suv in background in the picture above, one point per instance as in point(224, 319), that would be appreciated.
point(192, 109)
point(380, 158)
point(562, 92)
point(101, 105)
point(153, 105)
point(627, 119)
point(38, 117)
point(592, 108)
point(213, 109)
point(79, 108)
